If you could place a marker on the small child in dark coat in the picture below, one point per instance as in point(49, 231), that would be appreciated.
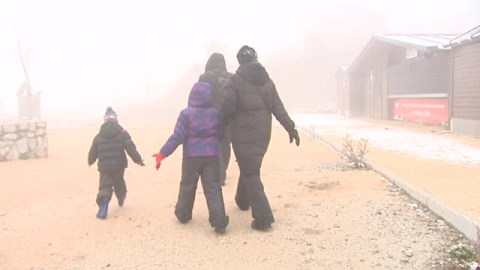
point(109, 147)
point(198, 128)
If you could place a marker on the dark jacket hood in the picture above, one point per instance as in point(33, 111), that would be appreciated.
point(110, 129)
point(200, 95)
point(254, 72)
point(215, 62)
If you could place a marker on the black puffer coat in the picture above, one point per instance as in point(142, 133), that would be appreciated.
point(249, 101)
point(109, 147)
point(216, 75)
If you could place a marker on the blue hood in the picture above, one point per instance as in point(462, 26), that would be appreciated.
point(200, 95)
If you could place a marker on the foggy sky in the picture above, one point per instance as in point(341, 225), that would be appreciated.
point(98, 53)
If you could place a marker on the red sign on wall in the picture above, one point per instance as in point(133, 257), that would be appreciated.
point(431, 111)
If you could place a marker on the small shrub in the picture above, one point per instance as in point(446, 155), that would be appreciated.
point(354, 153)
point(463, 257)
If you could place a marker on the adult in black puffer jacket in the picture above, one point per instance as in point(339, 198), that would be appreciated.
point(109, 147)
point(250, 100)
point(216, 75)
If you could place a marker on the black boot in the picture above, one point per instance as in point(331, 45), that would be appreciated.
point(242, 202)
point(220, 230)
point(220, 224)
point(243, 207)
point(121, 200)
point(183, 221)
point(103, 209)
point(260, 226)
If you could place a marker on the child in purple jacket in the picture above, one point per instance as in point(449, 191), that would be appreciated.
point(198, 128)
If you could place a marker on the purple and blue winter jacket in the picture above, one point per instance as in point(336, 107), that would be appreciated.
point(198, 126)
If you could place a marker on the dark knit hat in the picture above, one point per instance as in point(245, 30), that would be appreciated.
point(246, 54)
point(110, 115)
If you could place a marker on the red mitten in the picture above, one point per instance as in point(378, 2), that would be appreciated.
point(158, 159)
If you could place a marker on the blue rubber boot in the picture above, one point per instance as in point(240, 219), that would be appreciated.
point(103, 209)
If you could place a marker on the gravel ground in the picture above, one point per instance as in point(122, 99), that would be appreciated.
point(384, 229)
point(326, 217)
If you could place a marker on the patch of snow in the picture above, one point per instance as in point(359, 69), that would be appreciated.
point(427, 146)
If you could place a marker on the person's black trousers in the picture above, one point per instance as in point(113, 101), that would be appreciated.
point(111, 182)
point(250, 190)
point(205, 168)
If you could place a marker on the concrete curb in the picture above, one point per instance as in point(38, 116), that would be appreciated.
point(463, 222)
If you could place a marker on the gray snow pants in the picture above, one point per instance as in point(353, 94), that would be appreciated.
point(250, 190)
point(205, 168)
point(111, 182)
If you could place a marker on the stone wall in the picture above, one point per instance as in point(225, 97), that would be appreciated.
point(23, 140)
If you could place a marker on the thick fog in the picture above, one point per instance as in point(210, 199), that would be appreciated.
point(142, 57)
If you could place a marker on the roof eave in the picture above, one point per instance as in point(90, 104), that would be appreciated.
point(360, 56)
point(409, 45)
point(467, 37)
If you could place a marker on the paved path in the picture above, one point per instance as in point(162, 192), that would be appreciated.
point(424, 145)
point(439, 169)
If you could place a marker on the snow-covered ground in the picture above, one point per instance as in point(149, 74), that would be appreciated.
point(433, 146)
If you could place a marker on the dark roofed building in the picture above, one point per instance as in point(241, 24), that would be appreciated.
point(404, 77)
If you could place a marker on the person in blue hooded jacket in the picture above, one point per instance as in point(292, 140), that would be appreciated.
point(199, 129)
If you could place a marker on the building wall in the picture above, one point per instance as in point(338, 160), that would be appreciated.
point(389, 73)
point(343, 94)
point(358, 95)
point(466, 126)
point(420, 76)
point(466, 89)
point(377, 89)
point(23, 140)
point(419, 86)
